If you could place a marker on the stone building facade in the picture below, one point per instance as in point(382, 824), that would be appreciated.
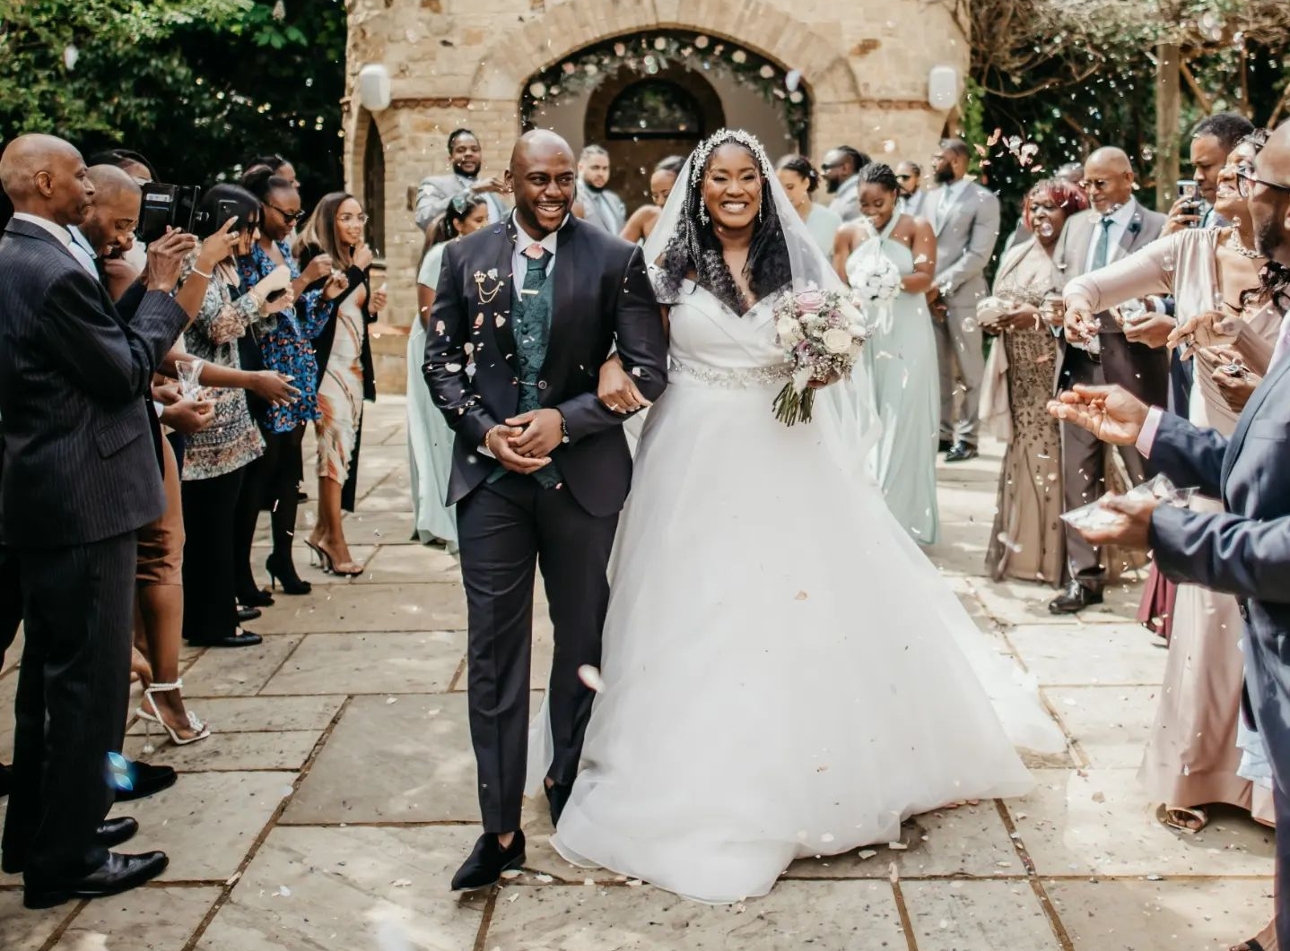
point(643, 77)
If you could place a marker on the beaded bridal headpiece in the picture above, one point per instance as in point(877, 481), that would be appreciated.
point(699, 160)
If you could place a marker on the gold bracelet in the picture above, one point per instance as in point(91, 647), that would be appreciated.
point(209, 277)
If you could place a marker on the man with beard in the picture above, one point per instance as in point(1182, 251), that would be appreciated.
point(467, 158)
point(841, 171)
point(909, 179)
point(600, 206)
point(1245, 550)
point(965, 217)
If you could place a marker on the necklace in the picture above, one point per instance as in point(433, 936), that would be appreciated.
point(1237, 245)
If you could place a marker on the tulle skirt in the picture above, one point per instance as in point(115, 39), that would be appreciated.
point(785, 673)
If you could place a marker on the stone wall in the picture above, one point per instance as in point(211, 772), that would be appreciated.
point(864, 64)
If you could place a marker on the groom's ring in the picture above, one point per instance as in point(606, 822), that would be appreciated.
point(614, 408)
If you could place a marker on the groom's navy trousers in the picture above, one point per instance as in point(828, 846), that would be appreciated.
point(506, 529)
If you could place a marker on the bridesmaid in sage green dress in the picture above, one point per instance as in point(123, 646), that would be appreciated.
point(901, 353)
point(429, 438)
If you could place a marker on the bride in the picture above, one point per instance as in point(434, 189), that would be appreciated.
point(784, 673)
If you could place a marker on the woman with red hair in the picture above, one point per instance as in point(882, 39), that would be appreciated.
point(1027, 541)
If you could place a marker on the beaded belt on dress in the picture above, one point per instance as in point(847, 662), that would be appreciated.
point(735, 376)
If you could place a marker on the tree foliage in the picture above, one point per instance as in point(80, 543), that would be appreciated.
point(196, 85)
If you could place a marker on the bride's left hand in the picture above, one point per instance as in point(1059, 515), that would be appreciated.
point(617, 391)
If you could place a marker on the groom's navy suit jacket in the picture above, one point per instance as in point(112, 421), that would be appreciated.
point(1246, 550)
point(603, 299)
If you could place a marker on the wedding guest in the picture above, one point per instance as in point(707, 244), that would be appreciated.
point(430, 439)
point(601, 207)
point(1115, 226)
point(1192, 758)
point(216, 462)
point(902, 351)
point(273, 479)
point(467, 158)
point(81, 477)
point(274, 163)
point(1212, 141)
point(1072, 173)
point(643, 219)
point(841, 171)
point(965, 218)
point(346, 376)
point(913, 198)
point(800, 180)
point(1027, 540)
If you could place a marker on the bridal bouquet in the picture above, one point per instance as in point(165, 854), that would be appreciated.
point(822, 334)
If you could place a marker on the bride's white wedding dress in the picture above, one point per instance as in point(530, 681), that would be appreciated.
point(785, 673)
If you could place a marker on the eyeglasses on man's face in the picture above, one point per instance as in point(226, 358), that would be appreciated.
point(1247, 178)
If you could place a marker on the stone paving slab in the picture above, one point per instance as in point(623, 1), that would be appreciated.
point(351, 888)
point(1102, 823)
point(1204, 915)
point(405, 662)
point(978, 916)
point(237, 671)
point(369, 608)
point(1089, 653)
point(408, 761)
point(261, 714)
point(824, 916)
point(221, 751)
point(24, 930)
point(1112, 723)
point(150, 919)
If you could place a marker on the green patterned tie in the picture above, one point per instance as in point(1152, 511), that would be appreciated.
point(534, 326)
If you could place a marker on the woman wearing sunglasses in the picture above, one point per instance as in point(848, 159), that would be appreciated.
point(274, 479)
point(1192, 759)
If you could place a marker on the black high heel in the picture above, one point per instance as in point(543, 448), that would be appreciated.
point(254, 597)
point(286, 574)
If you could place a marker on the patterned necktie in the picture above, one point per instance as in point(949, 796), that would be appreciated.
point(1103, 250)
point(534, 327)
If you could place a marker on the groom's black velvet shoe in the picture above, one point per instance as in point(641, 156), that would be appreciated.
point(557, 795)
point(486, 864)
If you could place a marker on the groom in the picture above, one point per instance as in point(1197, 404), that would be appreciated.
point(526, 312)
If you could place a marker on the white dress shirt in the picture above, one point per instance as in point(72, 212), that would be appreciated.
point(523, 241)
point(77, 250)
point(1120, 221)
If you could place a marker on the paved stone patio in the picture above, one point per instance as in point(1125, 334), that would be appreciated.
point(334, 801)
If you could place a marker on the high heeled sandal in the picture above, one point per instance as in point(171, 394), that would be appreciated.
point(194, 722)
point(1175, 817)
point(346, 569)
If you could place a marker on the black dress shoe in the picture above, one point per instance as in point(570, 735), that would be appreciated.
point(111, 833)
point(961, 452)
point(146, 779)
point(1074, 599)
point(486, 864)
point(119, 873)
point(243, 639)
point(245, 613)
point(6, 779)
point(557, 796)
point(945, 445)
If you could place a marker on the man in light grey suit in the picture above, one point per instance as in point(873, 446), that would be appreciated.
point(913, 199)
point(600, 206)
point(1114, 227)
point(467, 158)
point(1244, 551)
point(965, 217)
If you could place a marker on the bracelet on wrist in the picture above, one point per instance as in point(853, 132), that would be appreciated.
point(200, 273)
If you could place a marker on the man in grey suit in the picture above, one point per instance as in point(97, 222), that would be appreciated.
point(1244, 551)
point(841, 170)
point(1115, 226)
point(81, 475)
point(600, 206)
point(467, 158)
point(965, 217)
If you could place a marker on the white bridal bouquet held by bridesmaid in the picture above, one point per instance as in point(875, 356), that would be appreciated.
point(822, 335)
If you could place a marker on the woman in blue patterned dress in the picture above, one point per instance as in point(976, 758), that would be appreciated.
point(274, 479)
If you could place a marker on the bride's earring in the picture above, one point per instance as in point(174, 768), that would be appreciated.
point(703, 212)
point(760, 207)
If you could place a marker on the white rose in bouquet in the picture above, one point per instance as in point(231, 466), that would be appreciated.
point(837, 340)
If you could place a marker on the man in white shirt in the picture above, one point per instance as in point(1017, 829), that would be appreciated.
point(600, 206)
point(1113, 228)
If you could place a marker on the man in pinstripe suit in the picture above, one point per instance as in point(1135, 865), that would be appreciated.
point(80, 477)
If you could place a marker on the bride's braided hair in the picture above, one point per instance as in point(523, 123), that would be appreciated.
point(696, 249)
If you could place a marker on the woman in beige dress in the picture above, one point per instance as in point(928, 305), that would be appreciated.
point(1191, 759)
point(345, 373)
point(1027, 541)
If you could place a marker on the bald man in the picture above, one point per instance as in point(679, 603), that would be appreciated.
point(80, 477)
point(540, 467)
point(1114, 227)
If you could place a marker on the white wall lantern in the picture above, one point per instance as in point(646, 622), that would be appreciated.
point(374, 87)
point(942, 87)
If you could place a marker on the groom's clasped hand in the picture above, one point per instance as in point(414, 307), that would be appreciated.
point(524, 443)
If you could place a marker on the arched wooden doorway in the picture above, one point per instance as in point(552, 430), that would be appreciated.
point(374, 187)
point(643, 120)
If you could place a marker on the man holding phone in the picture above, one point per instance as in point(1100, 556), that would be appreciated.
point(1211, 142)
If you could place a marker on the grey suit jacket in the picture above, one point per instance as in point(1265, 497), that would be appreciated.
point(965, 241)
point(1138, 368)
point(435, 191)
point(846, 200)
point(79, 462)
point(1244, 551)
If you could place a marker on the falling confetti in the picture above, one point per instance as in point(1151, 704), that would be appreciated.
point(590, 676)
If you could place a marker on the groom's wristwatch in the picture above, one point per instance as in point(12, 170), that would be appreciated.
point(564, 428)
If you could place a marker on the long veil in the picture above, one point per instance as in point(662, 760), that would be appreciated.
point(850, 405)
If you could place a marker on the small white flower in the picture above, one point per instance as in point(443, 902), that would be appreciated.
point(789, 330)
